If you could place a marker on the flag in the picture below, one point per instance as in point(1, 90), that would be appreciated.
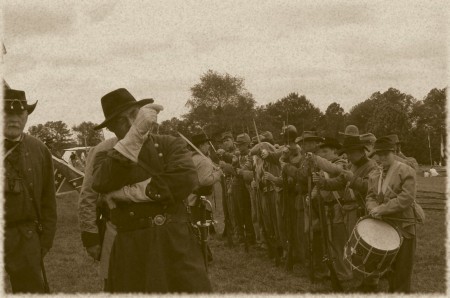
point(67, 178)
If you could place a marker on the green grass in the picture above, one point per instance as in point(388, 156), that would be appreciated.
point(70, 270)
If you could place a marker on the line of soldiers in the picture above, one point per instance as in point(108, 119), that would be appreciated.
point(271, 196)
point(143, 186)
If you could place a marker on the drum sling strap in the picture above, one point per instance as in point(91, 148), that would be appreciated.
point(383, 186)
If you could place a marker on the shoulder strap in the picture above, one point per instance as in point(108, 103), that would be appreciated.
point(10, 151)
point(389, 176)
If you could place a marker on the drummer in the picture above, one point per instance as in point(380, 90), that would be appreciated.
point(391, 196)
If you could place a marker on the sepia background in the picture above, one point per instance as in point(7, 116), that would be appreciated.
point(337, 61)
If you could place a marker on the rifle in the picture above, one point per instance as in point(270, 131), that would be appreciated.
point(310, 229)
point(290, 235)
point(325, 226)
point(228, 227)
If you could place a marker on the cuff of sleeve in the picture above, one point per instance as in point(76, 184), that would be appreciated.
point(90, 239)
point(157, 190)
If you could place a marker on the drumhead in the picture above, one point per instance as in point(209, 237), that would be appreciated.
point(378, 234)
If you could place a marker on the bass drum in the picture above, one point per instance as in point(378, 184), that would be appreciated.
point(373, 246)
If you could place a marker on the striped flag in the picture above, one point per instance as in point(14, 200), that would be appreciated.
point(67, 178)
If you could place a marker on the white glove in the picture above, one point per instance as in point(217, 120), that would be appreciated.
point(146, 117)
point(131, 144)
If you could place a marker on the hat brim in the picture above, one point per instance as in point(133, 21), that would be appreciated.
point(376, 151)
point(329, 145)
point(30, 108)
point(309, 139)
point(348, 135)
point(139, 104)
point(353, 147)
point(201, 142)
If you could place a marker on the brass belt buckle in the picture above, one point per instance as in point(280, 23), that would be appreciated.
point(159, 220)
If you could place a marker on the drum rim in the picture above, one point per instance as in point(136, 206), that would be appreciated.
point(377, 250)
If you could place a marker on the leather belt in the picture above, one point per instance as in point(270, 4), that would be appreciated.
point(149, 222)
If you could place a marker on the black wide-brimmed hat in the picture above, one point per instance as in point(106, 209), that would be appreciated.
point(199, 139)
point(330, 142)
point(394, 138)
point(352, 143)
point(16, 101)
point(383, 144)
point(117, 102)
point(350, 131)
point(309, 136)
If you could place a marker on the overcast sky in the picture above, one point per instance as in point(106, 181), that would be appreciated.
point(68, 54)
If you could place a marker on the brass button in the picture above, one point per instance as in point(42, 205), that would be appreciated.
point(29, 169)
point(131, 213)
point(29, 232)
point(160, 155)
point(156, 145)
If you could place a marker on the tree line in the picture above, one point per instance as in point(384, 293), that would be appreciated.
point(220, 102)
point(57, 136)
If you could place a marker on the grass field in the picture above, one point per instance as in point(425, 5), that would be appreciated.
point(70, 270)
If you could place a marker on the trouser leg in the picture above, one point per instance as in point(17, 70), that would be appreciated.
point(400, 278)
point(23, 262)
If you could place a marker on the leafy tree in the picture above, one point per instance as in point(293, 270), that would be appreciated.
point(220, 99)
point(54, 134)
point(175, 125)
point(428, 117)
point(43, 133)
point(292, 109)
point(334, 119)
point(86, 134)
point(383, 113)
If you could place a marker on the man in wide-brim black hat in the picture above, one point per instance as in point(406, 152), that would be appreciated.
point(329, 147)
point(146, 178)
point(410, 161)
point(308, 141)
point(329, 151)
point(29, 197)
point(354, 182)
